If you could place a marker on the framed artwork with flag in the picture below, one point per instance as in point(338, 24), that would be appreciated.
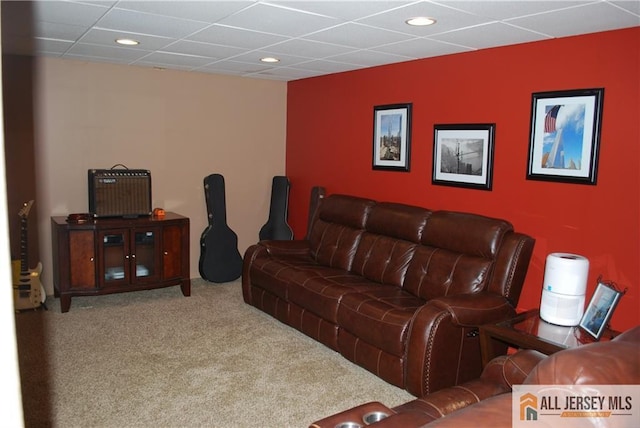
point(565, 135)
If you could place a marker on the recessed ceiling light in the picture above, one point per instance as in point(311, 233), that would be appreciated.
point(127, 42)
point(420, 21)
point(269, 59)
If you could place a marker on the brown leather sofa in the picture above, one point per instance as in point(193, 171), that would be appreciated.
point(397, 289)
point(487, 401)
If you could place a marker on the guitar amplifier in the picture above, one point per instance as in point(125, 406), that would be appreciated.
point(119, 193)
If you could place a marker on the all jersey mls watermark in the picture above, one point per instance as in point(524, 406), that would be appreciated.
point(576, 406)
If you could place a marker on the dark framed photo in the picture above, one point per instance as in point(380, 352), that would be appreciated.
point(565, 135)
point(392, 137)
point(603, 302)
point(463, 155)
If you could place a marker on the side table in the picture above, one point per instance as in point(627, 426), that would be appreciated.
point(527, 330)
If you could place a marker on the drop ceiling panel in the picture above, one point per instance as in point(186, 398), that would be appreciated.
point(235, 37)
point(99, 36)
point(327, 66)
point(277, 20)
point(168, 59)
point(255, 56)
point(204, 49)
point(347, 10)
point(235, 67)
point(501, 9)
point(630, 6)
point(286, 74)
point(366, 58)
point(206, 11)
point(308, 48)
point(358, 36)
point(145, 23)
point(59, 31)
point(313, 37)
point(447, 19)
point(592, 18)
point(106, 52)
point(488, 36)
point(52, 47)
point(71, 13)
point(423, 48)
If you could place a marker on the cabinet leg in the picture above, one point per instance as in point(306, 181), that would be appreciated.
point(65, 302)
point(185, 286)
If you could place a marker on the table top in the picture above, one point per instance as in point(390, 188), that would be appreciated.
point(530, 324)
point(117, 221)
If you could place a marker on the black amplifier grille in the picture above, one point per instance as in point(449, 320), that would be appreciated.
point(119, 193)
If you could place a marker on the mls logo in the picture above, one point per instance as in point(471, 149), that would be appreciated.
point(528, 407)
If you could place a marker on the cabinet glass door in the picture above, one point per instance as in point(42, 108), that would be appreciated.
point(115, 255)
point(145, 254)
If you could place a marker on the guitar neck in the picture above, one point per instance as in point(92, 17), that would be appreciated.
point(24, 263)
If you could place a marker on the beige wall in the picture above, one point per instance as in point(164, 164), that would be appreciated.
point(181, 126)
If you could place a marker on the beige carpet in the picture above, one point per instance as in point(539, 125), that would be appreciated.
point(158, 359)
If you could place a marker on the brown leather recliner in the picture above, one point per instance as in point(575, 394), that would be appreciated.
point(487, 401)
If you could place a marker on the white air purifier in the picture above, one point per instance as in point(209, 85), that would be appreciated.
point(564, 288)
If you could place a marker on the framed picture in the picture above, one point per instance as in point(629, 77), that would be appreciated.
point(463, 155)
point(565, 136)
point(392, 137)
point(595, 318)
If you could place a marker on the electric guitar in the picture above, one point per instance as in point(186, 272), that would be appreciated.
point(28, 292)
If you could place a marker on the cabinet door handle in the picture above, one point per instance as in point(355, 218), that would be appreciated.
point(126, 257)
point(91, 259)
point(166, 253)
point(133, 256)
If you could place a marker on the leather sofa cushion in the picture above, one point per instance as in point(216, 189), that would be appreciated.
point(400, 221)
point(320, 290)
point(435, 272)
point(465, 233)
point(336, 233)
point(273, 273)
point(380, 317)
point(383, 259)
point(458, 252)
point(392, 234)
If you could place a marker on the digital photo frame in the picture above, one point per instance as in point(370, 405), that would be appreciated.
point(599, 311)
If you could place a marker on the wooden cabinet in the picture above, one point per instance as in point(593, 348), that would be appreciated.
point(114, 255)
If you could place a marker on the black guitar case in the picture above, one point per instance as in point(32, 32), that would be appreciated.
point(317, 194)
point(277, 227)
point(220, 260)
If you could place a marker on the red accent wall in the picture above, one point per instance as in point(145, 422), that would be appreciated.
point(330, 132)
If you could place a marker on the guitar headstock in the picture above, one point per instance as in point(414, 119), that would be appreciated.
point(24, 212)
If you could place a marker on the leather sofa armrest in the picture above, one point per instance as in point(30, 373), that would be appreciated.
point(490, 413)
point(290, 248)
point(266, 249)
point(517, 367)
point(442, 334)
point(440, 403)
point(470, 310)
